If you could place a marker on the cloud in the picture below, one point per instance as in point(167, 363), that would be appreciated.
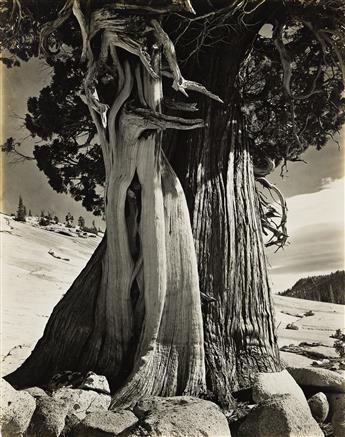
point(316, 229)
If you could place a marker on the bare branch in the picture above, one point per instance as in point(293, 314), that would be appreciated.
point(50, 27)
point(284, 57)
point(149, 119)
point(180, 106)
point(84, 28)
point(279, 231)
point(179, 84)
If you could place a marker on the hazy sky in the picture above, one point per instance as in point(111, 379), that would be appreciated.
point(315, 192)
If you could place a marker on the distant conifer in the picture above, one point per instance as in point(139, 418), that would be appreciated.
point(21, 211)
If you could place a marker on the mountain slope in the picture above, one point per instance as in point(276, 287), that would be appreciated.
point(326, 288)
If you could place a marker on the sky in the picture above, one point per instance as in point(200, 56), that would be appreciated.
point(314, 191)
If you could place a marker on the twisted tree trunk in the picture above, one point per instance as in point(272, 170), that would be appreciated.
point(134, 312)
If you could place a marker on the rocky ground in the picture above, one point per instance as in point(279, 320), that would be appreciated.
point(39, 264)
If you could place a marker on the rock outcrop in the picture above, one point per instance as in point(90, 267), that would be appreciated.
point(267, 385)
point(323, 379)
point(81, 409)
point(280, 416)
point(180, 416)
point(105, 424)
point(319, 406)
point(81, 402)
point(337, 413)
point(49, 417)
point(17, 408)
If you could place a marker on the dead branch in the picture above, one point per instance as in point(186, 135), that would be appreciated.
point(279, 231)
point(84, 28)
point(159, 9)
point(179, 84)
point(148, 119)
point(284, 57)
point(50, 27)
point(180, 106)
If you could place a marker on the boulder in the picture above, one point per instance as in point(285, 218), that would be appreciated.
point(95, 382)
point(323, 379)
point(319, 406)
point(104, 424)
point(49, 417)
point(280, 416)
point(36, 392)
point(276, 383)
point(17, 408)
point(181, 416)
point(337, 413)
point(82, 402)
point(70, 423)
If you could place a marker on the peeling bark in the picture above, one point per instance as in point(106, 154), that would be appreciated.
point(134, 313)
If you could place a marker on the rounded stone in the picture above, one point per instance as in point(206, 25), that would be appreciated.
point(319, 407)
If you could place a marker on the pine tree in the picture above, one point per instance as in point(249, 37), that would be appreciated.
point(43, 219)
point(21, 211)
point(81, 222)
point(69, 220)
point(30, 213)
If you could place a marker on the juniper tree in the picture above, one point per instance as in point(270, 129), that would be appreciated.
point(183, 215)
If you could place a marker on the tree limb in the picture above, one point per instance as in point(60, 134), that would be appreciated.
point(279, 231)
point(149, 119)
point(179, 84)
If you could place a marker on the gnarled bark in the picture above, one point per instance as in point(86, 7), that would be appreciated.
point(134, 313)
point(139, 321)
point(216, 170)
